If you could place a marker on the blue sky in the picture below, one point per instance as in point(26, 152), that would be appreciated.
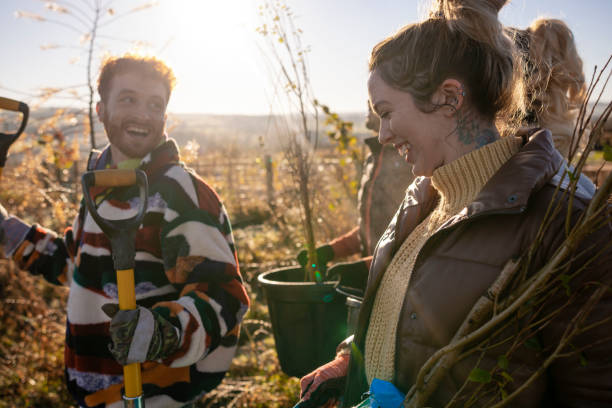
point(211, 45)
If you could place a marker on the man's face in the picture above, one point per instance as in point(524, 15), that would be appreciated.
point(134, 115)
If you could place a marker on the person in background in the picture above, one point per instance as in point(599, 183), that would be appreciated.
point(450, 94)
point(189, 291)
point(382, 188)
point(554, 79)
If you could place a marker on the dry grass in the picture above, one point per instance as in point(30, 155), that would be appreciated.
point(32, 317)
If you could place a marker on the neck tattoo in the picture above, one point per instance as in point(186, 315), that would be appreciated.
point(470, 132)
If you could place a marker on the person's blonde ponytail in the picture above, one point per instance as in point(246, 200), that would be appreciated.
point(556, 85)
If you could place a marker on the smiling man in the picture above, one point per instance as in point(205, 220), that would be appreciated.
point(189, 291)
point(134, 94)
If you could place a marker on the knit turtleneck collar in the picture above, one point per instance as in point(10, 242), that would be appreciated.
point(460, 181)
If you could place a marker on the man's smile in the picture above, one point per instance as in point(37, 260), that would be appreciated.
point(137, 131)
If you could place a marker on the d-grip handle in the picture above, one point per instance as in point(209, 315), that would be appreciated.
point(16, 106)
point(116, 229)
point(121, 233)
point(7, 139)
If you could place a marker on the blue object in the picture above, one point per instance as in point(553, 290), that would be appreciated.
point(384, 394)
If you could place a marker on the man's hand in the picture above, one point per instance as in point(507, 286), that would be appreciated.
point(325, 385)
point(140, 335)
point(325, 253)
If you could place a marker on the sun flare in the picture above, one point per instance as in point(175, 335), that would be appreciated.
point(209, 46)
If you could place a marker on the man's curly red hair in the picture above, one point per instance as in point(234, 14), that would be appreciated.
point(147, 66)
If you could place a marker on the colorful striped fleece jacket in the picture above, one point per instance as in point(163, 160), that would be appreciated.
point(186, 269)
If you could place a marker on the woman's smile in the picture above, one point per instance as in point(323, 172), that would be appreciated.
point(403, 149)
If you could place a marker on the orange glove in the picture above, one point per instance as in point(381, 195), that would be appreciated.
point(324, 384)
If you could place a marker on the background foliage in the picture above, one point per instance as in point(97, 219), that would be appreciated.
point(40, 184)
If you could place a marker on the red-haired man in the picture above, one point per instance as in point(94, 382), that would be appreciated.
point(189, 291)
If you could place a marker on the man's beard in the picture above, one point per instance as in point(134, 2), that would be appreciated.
point(116, 137)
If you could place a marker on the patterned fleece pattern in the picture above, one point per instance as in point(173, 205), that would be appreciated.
point(186, 269)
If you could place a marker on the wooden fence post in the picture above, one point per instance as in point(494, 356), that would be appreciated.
point(269, 179)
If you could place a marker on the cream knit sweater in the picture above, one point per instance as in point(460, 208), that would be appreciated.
point(458, 183)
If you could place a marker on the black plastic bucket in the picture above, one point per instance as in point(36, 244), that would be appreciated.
point(308, 319)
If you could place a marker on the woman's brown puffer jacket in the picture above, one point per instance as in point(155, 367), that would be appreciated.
point(460, 261)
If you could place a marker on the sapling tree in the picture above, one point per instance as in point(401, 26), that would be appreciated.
point(286, 60)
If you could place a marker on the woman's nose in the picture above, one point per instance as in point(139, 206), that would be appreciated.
point(384, 135)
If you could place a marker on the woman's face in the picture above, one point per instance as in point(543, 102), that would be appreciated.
point(418, 136)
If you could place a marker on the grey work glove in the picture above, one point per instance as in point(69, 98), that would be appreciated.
point(140, 335)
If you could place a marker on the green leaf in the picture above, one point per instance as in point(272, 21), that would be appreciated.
point(504, 394)
point(502, 362)
point(479, 375)
point(507, 376)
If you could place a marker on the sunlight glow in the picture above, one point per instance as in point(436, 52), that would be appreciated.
point(207, 40)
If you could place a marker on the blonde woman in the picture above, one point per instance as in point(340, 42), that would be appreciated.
point(449, 92)
point(555, 86)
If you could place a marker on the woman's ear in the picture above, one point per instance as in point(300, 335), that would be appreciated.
point(450, 95)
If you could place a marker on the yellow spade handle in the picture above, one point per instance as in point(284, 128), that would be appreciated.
point(127, 301)
point(114, 178)
point(11, 104)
